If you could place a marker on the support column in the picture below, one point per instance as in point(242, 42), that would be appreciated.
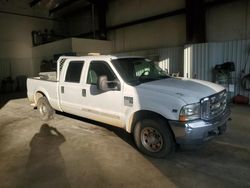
point(101, 6)
point(195, 21)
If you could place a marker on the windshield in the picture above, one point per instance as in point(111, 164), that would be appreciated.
point(135, 71)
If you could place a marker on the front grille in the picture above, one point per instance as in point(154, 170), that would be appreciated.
point(213, 105)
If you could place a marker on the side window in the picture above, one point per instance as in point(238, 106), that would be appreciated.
point(99, 68)
point(74, 71)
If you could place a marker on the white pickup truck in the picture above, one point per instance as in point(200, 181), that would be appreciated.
point(135, 94)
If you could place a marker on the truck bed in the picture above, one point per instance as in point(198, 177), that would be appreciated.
point(50, 76)
point(48, 86)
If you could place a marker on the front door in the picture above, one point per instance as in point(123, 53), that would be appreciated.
point(103, 106)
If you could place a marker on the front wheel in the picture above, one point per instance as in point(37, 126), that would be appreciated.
point(153, 137)
point(44, 108)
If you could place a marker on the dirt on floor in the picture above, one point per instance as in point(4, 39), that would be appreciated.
point(74, 152)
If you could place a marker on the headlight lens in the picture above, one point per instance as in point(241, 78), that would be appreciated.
point(190, 112)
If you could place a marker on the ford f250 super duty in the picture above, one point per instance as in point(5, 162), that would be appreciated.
point(135, 94)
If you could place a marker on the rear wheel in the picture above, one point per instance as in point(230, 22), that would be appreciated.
point(44, 108)
point(153, 137)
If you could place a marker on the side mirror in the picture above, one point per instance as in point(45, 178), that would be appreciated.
point(104, 85)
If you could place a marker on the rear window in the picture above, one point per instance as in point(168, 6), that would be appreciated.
point(74, 71)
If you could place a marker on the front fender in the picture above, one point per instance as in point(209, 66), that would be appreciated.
point(166, 113)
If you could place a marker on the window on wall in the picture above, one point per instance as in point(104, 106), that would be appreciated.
point(99, 68)
point(74, 71)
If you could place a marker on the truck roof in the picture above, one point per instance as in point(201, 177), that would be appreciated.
point(98, 57)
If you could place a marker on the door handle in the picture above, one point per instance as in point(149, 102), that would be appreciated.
point(62, 89)
point(84, 92)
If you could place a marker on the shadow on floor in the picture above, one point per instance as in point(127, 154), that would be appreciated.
point(45, 166)
point(6, 97)
point(125, 136)
point(208, 166)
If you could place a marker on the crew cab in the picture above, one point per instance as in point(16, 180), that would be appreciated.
point(135, 94)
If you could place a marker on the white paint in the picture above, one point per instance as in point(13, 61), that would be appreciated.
point(158, 96)
point(191, 90)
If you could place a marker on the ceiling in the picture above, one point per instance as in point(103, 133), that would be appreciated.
point(59, 8)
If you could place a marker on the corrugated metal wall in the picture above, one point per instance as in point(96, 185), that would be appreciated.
point(170, 59)
point(200, 59)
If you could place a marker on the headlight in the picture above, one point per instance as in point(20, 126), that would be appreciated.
point(190, 112)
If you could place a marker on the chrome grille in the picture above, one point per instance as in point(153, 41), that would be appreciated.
point(213, 105)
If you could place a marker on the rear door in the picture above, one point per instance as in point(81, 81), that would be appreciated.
point(71, 90)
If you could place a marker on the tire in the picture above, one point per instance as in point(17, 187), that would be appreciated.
point(153, 137)
point(45, 110)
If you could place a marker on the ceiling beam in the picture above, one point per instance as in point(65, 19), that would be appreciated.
point(218, 2)
point(140, 21)
point(62, 5)
point(34, 2)
point(31, 16)
point(149, 19)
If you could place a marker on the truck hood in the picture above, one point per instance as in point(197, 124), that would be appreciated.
point(189, 90)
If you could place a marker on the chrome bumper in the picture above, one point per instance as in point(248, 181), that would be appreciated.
point(199, 131)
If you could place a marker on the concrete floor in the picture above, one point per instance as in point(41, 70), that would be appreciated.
point(89, 154)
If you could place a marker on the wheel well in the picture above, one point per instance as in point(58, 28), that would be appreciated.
point(148, 114)
point(38, 95)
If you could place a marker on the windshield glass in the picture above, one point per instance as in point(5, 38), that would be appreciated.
point(135, 71)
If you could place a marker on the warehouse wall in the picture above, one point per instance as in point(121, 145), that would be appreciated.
point(161, 33)
point(121, 11)
point(85, 46)
point(16, 39)
point(76, 45)
point(80, 23)
point(47, 51)
point(230, 21)
point(225, 22)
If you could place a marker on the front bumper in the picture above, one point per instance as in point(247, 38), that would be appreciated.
point(199, 131)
